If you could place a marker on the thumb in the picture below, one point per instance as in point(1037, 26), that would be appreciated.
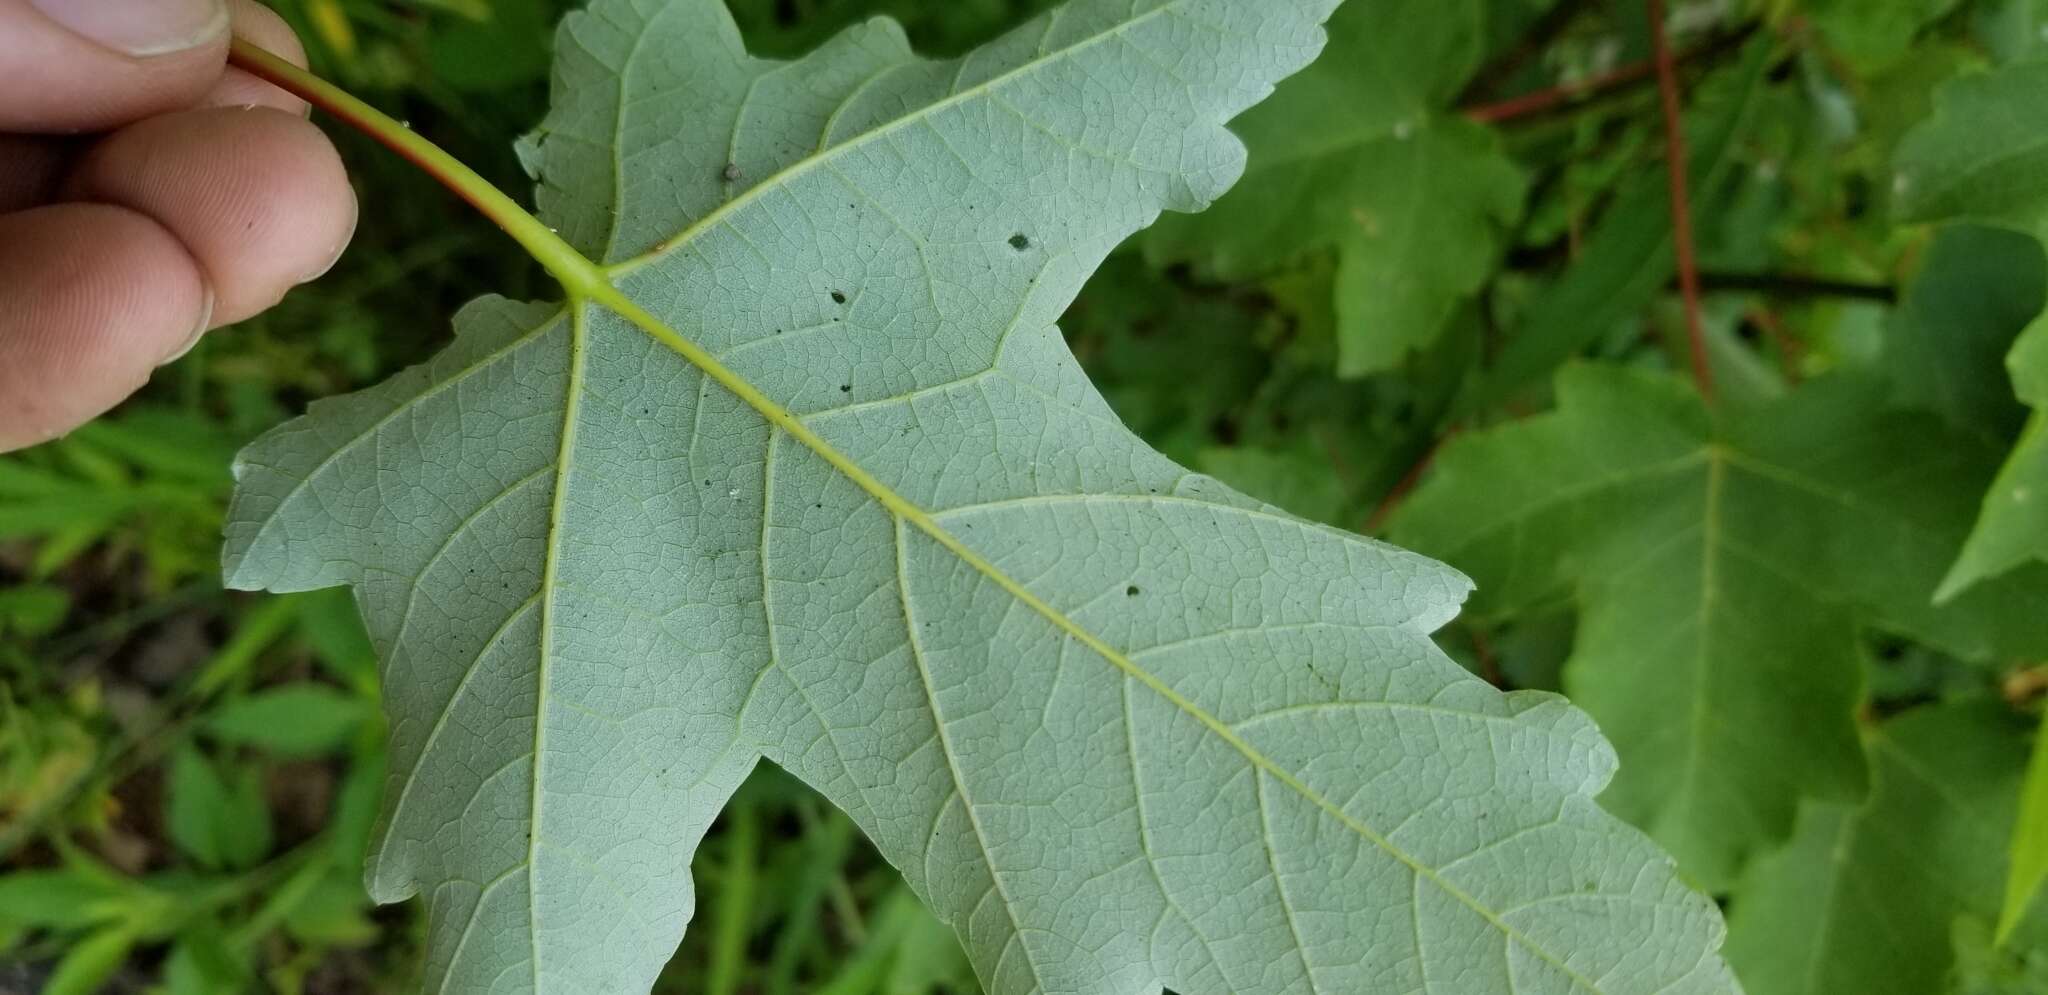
point(90, 65)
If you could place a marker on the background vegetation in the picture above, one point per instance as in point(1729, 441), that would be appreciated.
point(1457, 203)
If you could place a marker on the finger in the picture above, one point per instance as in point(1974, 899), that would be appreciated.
point(68, 66)
point(258, 197)
point(92, 298)
point(262, 26)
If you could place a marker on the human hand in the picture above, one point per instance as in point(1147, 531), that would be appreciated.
point(148, 193)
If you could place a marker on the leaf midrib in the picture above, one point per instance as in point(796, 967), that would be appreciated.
point(557, 505)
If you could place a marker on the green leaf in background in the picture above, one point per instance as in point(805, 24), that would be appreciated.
point(32, 609)
point(334, 628)
point(1864, 898)
point(1298, 478)
point(87, 965)
point(1722, 568)
point(66, 898)
point(1980, 158)
point(295, 720)
point(1982, 967)
point(855, 509)
point(1360, 153)
point(2028, 881)
point(2013, 30)
point(1874, 33)
point(200, 963)
point(217, 817)
point(502, 47)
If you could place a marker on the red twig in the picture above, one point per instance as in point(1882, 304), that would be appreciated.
point(1552, 97)
point(1681, 204)
point(1542, 100)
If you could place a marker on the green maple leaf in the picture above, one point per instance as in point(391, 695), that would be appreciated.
point(1980, 158)
point(1865, 898)
point(1723, 566)
point(804, 471)
point(1358, 153)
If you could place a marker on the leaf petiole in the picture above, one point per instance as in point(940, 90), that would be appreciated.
point(578, 275)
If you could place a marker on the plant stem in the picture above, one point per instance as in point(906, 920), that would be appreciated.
point(578, 275)
point(1681, 206)
point(1571, 91)
point(1549, 97)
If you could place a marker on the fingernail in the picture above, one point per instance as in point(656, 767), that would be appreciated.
point(205, 322)
point(142, 27)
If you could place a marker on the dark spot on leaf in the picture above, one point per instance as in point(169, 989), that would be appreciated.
point(1131, 591)
point(838, 297)
point(846, 388)
point(1019, 242)
point(731, 173)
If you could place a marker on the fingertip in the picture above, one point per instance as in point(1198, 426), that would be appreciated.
point(257, 196)
point(93, 298)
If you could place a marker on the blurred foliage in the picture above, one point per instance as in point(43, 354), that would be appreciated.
point(187, 778)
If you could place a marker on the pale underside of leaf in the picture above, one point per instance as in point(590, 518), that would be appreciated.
point(816, 480)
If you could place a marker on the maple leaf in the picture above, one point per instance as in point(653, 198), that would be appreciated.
point(1723, 565)
point(803, 470)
